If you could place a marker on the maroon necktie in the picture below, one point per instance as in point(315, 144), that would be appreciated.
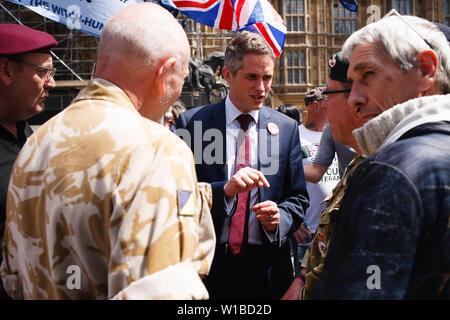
point(239, 219)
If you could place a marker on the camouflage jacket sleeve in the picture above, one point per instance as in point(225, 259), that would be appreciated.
point(160, 256)
point(125, 210)
point(207, 236)
point(9, 272)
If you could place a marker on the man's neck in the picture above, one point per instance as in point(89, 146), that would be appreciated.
point(315, 126)
point(11, 127)
point(8, 118)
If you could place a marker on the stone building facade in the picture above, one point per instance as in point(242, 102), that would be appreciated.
point(316, 30)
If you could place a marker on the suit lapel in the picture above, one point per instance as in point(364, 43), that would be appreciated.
point(218, 121)
point(264, 146)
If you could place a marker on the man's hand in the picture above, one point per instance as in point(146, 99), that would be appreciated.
point(294, 291)
point(245, 180)
point(268, 214)
point(303, 234)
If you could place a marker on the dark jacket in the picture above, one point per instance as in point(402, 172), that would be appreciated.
point(287, 184)
point(10, 147)
point(391, 238)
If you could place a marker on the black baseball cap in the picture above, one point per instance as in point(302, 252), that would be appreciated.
point(338, 67)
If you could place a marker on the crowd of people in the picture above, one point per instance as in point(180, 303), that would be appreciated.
point(125, 194)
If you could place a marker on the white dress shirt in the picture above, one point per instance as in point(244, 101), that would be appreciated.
point(232, 131)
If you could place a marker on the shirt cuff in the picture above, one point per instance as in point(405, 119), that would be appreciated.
point(230, 205)
point(271, 235)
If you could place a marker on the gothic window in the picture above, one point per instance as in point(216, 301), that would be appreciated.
point(294, 14)
point(187, 24)
point(402, 6)
point(344, 20)
point(447, 12)
point(293, 67)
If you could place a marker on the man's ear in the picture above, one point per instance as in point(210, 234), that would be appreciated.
point(161, 75)
point(428, 64)
point(316, 106)
point(227, 74)
point(5, 71)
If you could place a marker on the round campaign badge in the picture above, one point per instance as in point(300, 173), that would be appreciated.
point(322, 247)
point(273, 129)
point(332, 61)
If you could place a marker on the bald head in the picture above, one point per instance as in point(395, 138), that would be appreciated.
point(145, 52)
point(141, 34)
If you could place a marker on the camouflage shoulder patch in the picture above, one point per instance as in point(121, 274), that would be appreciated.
point(321, 236)
point(186, 202)
point(322, 247)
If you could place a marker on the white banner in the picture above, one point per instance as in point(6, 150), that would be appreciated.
point(88, 16)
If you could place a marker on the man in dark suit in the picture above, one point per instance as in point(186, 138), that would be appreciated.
point(251, 156)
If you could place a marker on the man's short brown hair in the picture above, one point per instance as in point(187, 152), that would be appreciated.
point(244, 43)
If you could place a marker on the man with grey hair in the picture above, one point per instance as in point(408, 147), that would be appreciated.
point(103, 202)
point(256, 175)
point(391, 238)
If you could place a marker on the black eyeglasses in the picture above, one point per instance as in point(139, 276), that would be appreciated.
point(326, 93)
point(45, 73)
point(336, 91)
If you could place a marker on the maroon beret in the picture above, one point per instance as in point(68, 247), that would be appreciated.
point(16, 39)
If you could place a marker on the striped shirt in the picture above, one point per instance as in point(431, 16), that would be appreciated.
point(232, 130)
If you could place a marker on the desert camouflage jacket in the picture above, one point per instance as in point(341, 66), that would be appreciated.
point(104, 203)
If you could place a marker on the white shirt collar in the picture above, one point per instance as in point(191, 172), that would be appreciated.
point(231, 112)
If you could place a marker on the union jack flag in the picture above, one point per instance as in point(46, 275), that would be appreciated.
point(256, 16)
point(351, 5)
